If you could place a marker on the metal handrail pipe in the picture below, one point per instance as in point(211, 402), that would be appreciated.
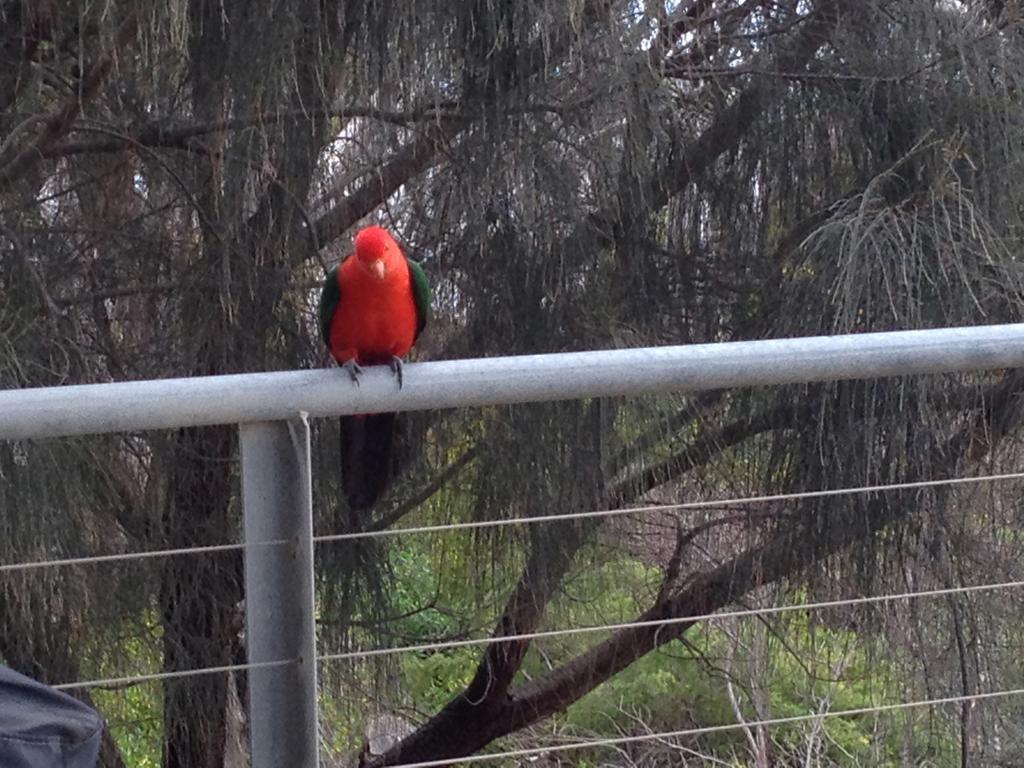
point(251, 397)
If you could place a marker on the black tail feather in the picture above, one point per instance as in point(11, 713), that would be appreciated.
point(365, 457)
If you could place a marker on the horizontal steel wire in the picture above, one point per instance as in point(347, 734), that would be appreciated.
point(776, 609)
point(682, 506)
point(60, 562)
point(133, 679)
point(713, 729)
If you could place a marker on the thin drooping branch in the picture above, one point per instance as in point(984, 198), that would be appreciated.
point(729, 435)
point(732, 124)
point(423, 151)
point(15, 162)
point(665, 426)
point(781, 557)
point(706, 46)
point(26, 28)
point(486, 699)
point(185, 137)
point(410, 161)
point(489, 690)
point(785, 555)
point(163, 135)
point(395, 514)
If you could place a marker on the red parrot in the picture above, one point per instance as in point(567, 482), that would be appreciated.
point(373, 307)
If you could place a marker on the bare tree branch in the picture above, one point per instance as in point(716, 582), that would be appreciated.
point(487, 701)
point(729, 127)
point(729, 435)
point(786, 554)
point(186, 137)
point(408, 162)
point(28, 25)
point(14, 162)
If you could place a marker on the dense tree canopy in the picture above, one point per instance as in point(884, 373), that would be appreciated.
point(174, 179)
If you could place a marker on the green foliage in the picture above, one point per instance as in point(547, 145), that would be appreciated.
point(437, 591)
point(438, 598)
point(682, 685)
point(135, 718)
point(134, 713)
point(433, 678)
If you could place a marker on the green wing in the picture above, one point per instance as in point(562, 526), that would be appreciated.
point(330, 295)
point(421, 294)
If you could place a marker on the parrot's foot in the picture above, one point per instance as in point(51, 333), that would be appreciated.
point(353, 369)
point(395, 364)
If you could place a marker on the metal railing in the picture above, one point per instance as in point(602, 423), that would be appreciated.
point(272, 410)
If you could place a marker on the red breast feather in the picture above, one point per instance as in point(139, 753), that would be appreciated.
point(376, 317)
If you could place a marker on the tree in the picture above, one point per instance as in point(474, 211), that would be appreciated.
point(174, 177)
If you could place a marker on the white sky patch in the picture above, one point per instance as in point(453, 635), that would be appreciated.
point(50, 205)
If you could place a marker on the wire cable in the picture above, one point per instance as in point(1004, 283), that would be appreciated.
point(776, 609)
point(689, 505)
point(60, 562)
point(682, 506)
point(132, 679)
point(712, 729)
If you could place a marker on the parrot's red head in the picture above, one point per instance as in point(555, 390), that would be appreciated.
point(374, 246)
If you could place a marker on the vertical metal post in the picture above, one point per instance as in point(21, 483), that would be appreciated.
point(277, 504)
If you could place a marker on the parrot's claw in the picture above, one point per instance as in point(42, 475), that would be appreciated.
point(395, 364)
point(354, 370)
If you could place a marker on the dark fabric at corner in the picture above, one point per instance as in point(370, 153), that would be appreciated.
point(43, 728)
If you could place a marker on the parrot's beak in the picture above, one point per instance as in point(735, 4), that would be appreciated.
point(378, 268)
